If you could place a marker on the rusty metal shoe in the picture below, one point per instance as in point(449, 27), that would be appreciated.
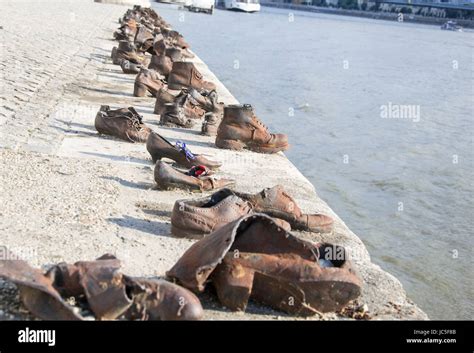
point(159, 148)
point(163, 97)
point(240, 128)
point(130, 68)
point(161, 64)
point(210, 124)
point(124, 123)
point(162, 45)
point(36, 290)
point(161, 300)
point(142, 37)
point(276, 202)
point(159, 45)
point(111, 294)
point(99, 288)
point(127, 51)
point(106, 302)
point(175, 39)
point(199, 217)
point(168, 178)
point(175, 116)
point(253, 257)
point(186, 98)
point(147, 81)
point(127, 30)
point(285, 282)
point(191, 106)
point(185, 75)
point(207, 100)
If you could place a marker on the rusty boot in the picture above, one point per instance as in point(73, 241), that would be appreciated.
point(207, 100)
point(130, 68)
point(111, 295)
point(143, 38)
point(285, 282)
point(163, 97)
point(127, 51)
point(210, 124)
point(127, 30)
point(155, 299)
point(185, 75)
point(147, 81)
point(276, 202)
point(185, 99)
point(168, 178)
point(124, 123)
point(175, 116)
point(240, 128)
point(199, 217)
point(159, 148)
point(36, 290)
point(191, 106)
point(162, 64)
point(159, 45)
point(255, 258)
point(175, 39)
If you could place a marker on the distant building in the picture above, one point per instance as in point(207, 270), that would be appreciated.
point(435, 4)
point(450, 3)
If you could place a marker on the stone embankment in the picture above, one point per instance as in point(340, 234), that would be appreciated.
point(68, 194)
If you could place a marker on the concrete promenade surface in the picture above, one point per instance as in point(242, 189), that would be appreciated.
point(68, 194)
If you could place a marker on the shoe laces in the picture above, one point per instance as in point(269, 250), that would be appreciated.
point(245, 205)
point(254, 117)
point(259, 122)
point(197, 74)
point(135, 120)
point(181, 146)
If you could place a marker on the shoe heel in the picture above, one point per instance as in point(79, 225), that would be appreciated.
point(230, 144)
point(140, 90)
point(113, 54)
point(155, 158)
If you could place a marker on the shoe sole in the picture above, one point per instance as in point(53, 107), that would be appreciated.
point(319, 229)
point(186, 233)
point(155, 158)
point(336, 294)
point(176, 86)
point(174, 186)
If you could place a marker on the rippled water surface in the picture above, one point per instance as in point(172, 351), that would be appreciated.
point(405, 186)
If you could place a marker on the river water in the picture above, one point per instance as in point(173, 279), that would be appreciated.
point(403, 182)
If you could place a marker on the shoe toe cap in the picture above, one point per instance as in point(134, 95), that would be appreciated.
point(320, 222)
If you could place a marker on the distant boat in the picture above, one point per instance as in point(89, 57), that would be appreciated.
point(200, 6)
point(451, 26)
point(242, 5)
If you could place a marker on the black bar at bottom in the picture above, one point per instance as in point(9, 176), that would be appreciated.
point(237, 336)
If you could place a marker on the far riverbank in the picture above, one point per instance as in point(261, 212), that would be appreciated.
point(377, 15)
